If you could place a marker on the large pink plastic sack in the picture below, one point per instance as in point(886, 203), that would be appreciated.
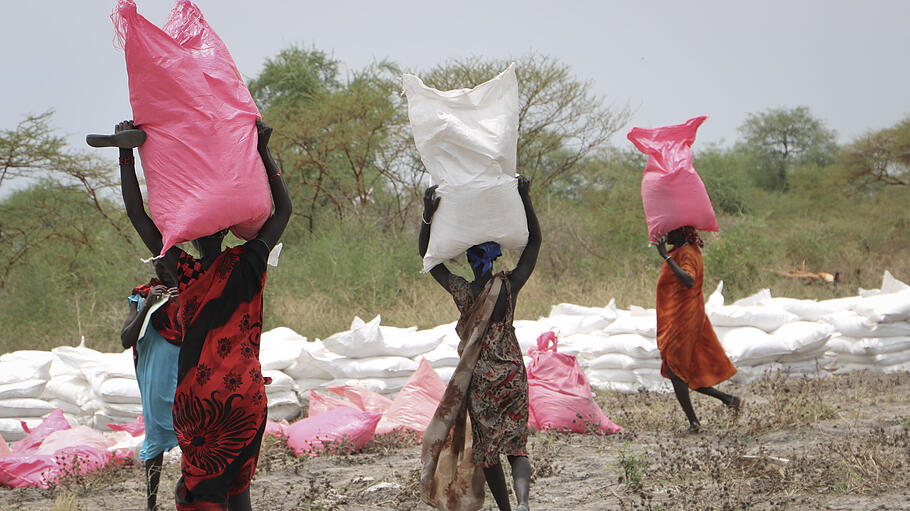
point(347, 428)
point(363, 399)
point(55, 421)
point(200, 160)
point(51, 450)
point(320, 403)
point(671, 191)
point(415, 403)
point(276, 429)
point(558, 392)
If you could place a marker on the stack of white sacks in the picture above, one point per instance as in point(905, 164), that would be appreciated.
point(616, 348)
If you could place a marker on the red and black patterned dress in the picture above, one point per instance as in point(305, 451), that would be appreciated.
point(498, 394)
point(220, 403)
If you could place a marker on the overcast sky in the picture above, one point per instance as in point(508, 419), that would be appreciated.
point(668, 60)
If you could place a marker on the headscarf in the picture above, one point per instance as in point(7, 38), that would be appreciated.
point(489, 252)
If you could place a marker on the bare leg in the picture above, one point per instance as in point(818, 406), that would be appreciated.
point(240, 502)
point(496, 480)
point(727, 399)
point(521, 478)
point(682, 395)
point(152, 478)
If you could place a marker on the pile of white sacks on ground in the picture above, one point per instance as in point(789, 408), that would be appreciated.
point(616, 348)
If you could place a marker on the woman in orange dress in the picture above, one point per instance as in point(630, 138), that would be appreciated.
point(691, 356)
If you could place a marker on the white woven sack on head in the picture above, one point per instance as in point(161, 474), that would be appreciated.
point(468, 142)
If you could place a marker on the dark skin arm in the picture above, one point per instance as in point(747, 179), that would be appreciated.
point(528, 259)
point(681, 275)
point(135, 209)
point(273, 228)
point(430, 204)
point(129, 334)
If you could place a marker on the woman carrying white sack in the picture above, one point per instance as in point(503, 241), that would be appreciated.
point(490, 380)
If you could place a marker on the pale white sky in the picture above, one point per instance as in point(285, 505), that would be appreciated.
point(669, 60)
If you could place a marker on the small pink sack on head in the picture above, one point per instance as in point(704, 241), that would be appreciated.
point(672, 193)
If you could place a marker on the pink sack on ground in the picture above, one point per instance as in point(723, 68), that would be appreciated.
point(135, 428)
point(320, 403)
point(200, 160)
point(346, 428)
point(276, 429)
point(4, 448)
point(559, 395)
point(362, 398)
point(29, 444)
point(415, 403)
point(671, 191)
point(51, 450)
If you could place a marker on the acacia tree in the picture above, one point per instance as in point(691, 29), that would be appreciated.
point(779, 139)
point(338, 140)
point(74, 181)
point(881, 158)
point(560, 118)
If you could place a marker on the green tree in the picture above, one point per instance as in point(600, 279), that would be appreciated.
point(33, 153)
point(340, 140)
point(879, 159)
point(780, 139)
point(561, 120)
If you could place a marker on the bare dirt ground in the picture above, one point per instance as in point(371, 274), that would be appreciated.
point(840, 443)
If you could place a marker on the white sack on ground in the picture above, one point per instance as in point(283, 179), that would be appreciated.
point(885, 307)
point(15, 372)
point(25, 388)
point(468, 141)
point(376, 367)
point(280, 381)
point(120, 390)
point(752, 346)
point(807, 310)
point(764, 317)
point(366, 340)
point(69, 387)
point(853, 325)
point(442, 356)
point(313, 363)
point(804, 336)
point(11, 429)
point(867, 345)
point(280, 348)
point(384, 386)
point(589, 346)
point(24, 407)
point(568, 309)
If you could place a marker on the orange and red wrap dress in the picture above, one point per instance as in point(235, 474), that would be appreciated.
point(220, 405)
point(686, 340)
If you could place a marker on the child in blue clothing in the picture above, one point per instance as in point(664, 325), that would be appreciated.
point(155, 341)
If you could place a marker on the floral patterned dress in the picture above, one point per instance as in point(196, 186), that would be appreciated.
point(498, 394)
point(220, 404)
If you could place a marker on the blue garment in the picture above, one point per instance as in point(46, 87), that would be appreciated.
point(156, 372)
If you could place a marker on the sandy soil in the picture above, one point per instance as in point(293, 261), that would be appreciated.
point(838, 443)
